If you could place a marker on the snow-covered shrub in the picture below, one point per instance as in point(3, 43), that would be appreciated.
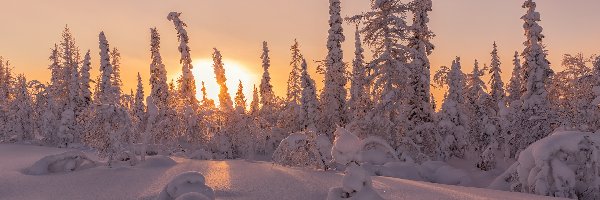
point(356, 184)
point(564, 164)
point(184, 183)
point(109, 128)
point(64, 162)
point(376, 151)
point(303, 149)
point(346, 147)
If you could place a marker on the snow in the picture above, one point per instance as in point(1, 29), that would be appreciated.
point(345, 147)
point(187, 182)
point(64, 162)
point(232, 179)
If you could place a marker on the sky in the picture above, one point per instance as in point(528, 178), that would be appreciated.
point(465, 28)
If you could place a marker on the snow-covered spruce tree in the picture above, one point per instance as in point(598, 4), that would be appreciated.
point(291, 110)
point(106, 91)
point(187, 83)
point(453, 121)
point(515, 85)
point(308, 102)
point(385, 29)
point(593, 110)
point(420, 120)
point(206, 102)
point(53, 106)
point(481, 130)
point(139, 110)
point(359, 102)
point(333, 96)
point(497, 93)
point(116, 73)
point(268, 100)
point(254, 105)
point(224, 99)
point(240, 99)
point(84, 80)
point(158, 74)
point(70, 70)
point(20, 120)
point(535, 117)
point(293, 83)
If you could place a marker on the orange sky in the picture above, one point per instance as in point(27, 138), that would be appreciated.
point(465, 28)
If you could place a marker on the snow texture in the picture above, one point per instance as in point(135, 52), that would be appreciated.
point(64, 162)
point(187, 182)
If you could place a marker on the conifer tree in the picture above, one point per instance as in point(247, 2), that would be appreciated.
point(86, 92)
point(496, 85)
point(187, 83)
point(224, 99)
point(139, 109)
point(359, 89)
point(20, 121)
point(240, 99)
point(267, 96)
point(515, 85)
point(206, 102)
point(106, 92)
point(333, 96)
point(293, 83)
point(309, 102)
point(254, 105)
point(116, 72)
point(159, 90)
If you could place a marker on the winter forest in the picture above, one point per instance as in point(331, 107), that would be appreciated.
point(374, 131)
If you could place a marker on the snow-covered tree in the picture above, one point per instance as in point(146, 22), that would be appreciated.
point(240, 99)
point(158, 74)
point(497, 93)
point(267, 96)
point(308, 102)
point(139, 110)
point(206, 102)
point(481, 129)
point(106, 91)
point(224, 99)
point(109, 130)
point(385, 29)
point(293, 84)
point(254, 105)
point(515, 86)
point(359, 102)
point(116, 72)
point(453, 122)
point(84, 80)
point(535, 118)
point(20, 120)
point(333, 96)
point(187, 83)
point(70, 70)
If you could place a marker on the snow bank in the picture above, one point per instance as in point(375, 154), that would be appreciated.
point(187, 185)
point(356, 184)
point(64, 162)
point(564, 164)
point(346, 146)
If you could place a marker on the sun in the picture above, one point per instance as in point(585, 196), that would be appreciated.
point(234, 71)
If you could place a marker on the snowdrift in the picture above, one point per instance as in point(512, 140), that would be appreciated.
point(64, 162)
point(564, 164)
point(187, 186)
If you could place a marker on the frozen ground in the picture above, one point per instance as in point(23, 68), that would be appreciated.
point(234, 179)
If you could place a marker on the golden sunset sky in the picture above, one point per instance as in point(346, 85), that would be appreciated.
point(465, 28)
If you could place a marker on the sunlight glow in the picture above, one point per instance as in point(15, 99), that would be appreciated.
point(234, 71)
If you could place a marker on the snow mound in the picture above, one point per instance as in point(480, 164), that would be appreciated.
point(184, 185)
point(564, 164)
point(64, 162)
point(356, 184)
point(345, 147)
point(157, 161)
point(376, 151)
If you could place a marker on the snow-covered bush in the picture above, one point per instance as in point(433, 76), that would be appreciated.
point(188, 182)
point(109, 128)
point(356, 184)
point(376, 151)
point(64, 162)
point(564, 164)
point(303, 149)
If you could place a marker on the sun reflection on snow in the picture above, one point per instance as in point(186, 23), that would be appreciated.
point(217, 175)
